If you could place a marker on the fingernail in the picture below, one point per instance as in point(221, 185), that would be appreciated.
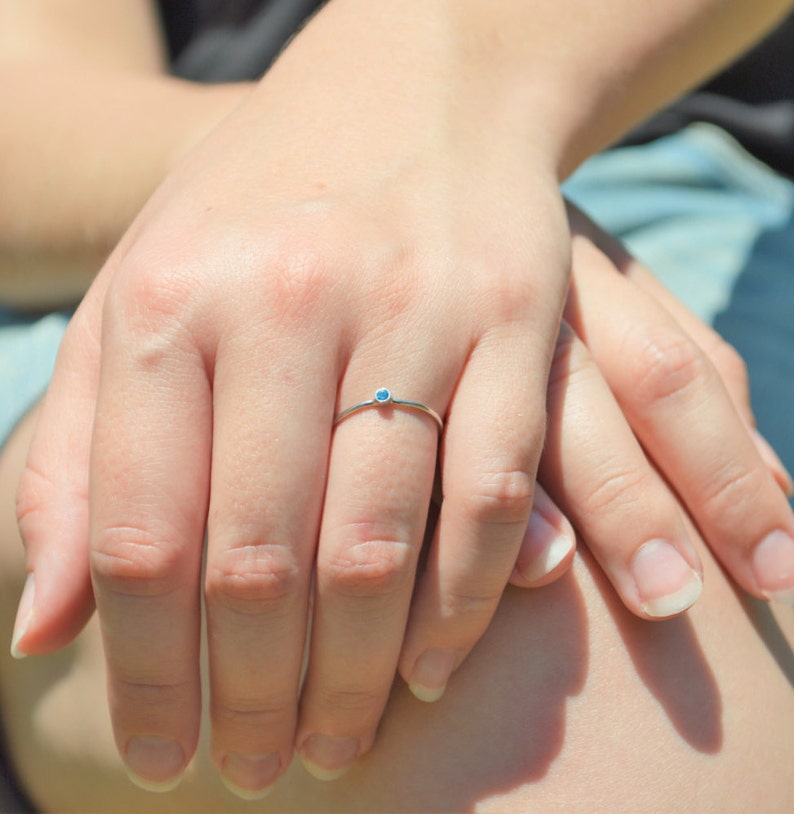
point(773, 564)
point(431, 674)
point(24, 614)
point(665, 581)
point(154, 763)
point(250, 776)
point(773, 462)
point(544, 548)
point(328, 758)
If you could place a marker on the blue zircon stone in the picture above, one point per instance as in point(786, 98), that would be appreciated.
point(383, 396)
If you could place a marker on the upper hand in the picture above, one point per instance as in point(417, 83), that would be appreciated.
point(314, 248)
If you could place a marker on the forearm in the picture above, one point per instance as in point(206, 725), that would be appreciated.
point(571, 75)
point(82, 149)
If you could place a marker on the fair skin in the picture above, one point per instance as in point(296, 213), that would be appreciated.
point(542, 717)
point(272, 304)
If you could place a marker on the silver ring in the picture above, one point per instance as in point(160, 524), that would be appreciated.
point(384, 398)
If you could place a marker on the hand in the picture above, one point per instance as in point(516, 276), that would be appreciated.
point(280, 207)
point(318, 245)
point(635, 362)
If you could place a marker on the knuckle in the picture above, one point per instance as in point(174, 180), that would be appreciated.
point(131, 562)
point(665, 367)
point(253, 716)
point(351, 705)
point(730, 365)
point(613, 489)
point(38, 493)
point(152, 693)
point(369, 569)
point(500, 497)
point(505, 295)
point(470, 608)
point(154, 311)
point(733, 492)
point(34, 491)
point(300, 279)
point(249, 577)
point(151, 296)
point(569, 361)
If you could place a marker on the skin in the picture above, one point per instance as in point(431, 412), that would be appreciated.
point(542, 717)
point(227, 326)
point(69, 89)
point(621, 676)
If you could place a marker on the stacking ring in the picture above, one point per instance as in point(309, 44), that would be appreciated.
point(384, 398)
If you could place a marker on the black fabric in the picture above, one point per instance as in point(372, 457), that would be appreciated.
point(227, 40)
point(753, 100)
point(233, 40)
point(12, 798)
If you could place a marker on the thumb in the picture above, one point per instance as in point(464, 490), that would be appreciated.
point(52, 499)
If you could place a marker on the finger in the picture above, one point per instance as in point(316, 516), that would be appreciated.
point(725, 359)
point(379, 486)
point(491, 447)
point(270, 451)
point(149, 485)
point(548, 545)
point(680, 410)
point(52, 498)
point(598, 474)
point(727, 362)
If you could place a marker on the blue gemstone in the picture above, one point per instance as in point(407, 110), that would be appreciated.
point(383, 396)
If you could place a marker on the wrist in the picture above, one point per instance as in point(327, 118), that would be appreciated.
point(196, 109)
point(568, 77)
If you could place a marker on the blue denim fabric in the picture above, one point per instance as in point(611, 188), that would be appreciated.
point(717, 227)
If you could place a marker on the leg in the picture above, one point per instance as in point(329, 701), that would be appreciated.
point(568, 704)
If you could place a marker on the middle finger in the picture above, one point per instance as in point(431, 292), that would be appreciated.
point(269, 457)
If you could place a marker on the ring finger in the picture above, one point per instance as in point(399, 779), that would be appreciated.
point(380, 481)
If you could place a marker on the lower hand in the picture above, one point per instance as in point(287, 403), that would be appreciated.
point(639, 379)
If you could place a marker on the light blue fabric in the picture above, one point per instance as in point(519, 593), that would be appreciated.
point(717, 227)
point(28, 347)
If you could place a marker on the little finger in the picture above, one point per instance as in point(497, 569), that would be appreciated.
point(492, 443)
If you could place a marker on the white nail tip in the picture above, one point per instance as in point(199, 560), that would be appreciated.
point(326, 775)
point(554, 554)
point(427, 694)
point(15, 651)
point(676, 602)
point(24, 614)
point(160, 787)
point(246, 794)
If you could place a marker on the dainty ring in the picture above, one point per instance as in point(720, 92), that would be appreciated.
point(384, 398)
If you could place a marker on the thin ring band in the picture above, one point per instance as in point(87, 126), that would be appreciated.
point(384, 398)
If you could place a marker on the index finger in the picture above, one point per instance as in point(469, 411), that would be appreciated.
point(148, 501)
